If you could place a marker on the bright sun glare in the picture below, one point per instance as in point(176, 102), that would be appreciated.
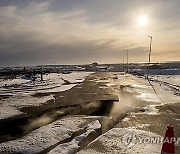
point(142, 20)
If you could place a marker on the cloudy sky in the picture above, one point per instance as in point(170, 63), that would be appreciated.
point(36, 32)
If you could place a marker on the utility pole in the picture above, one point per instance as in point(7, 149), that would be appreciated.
point(149, 60)
point(127, 60)
point(123, 65)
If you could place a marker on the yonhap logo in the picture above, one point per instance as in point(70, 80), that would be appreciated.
point(130, 139)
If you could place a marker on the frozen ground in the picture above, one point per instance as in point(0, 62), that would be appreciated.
point(52, 82)
point(20, 91)
point(170, 82)
point(144, 109)
point(124, 141)
point(173, 79)
point(135, 133)
point(71, 147)
point(51, 134)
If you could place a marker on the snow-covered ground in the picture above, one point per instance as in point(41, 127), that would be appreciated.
point(134, 95)
point(125, 141)
point(10, 107)
point(51, 134)
point(71, 147)
point(21, 90)
point(173, 79)
point(132, 135)
point(52, 82)
point(169, 82)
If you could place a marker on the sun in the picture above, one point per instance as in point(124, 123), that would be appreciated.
point(142, 20)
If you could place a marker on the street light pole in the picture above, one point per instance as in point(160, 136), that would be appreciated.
point(149, 55)
point(127, 61)
point(123, 65)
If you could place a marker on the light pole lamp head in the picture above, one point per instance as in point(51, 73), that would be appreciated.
point(150, 37)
